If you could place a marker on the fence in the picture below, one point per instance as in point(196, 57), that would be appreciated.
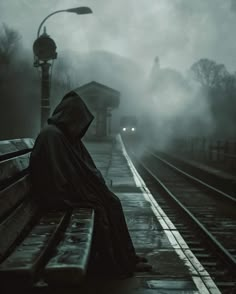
point(208, 150)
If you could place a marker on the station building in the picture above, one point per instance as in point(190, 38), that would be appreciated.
point(101, 100)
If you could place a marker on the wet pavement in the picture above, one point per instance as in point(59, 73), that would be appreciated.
point(175, 269)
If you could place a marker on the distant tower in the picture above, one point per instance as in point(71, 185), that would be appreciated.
point(155, 67)
point(154, 73)
point(157, 61)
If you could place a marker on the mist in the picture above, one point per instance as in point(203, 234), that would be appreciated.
point(117, 46)
point(179, 31)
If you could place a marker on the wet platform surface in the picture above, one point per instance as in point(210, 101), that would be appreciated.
point(175, 269)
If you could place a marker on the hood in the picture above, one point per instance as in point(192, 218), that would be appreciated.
point(72, 116)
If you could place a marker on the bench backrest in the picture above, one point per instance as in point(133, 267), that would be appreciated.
point(35, 244)
point(16, 208)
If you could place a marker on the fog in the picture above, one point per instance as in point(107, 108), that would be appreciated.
point(179, 31)
point(117, 46)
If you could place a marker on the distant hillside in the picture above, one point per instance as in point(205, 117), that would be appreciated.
point(102, 66)
point(113, 70)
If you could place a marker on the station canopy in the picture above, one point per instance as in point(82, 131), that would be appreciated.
point(98, 96)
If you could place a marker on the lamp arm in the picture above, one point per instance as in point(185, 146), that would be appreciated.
point(43, 21)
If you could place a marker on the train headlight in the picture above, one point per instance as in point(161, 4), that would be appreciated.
point(124, 129)
point(132, 129)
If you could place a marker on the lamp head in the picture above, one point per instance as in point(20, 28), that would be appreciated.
point(44, 48)
point(80, 10)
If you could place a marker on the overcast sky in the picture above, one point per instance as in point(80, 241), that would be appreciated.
point(178, 31)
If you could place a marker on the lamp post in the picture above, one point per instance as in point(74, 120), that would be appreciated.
point(44, 51)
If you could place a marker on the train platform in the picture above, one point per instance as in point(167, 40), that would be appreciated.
point(175, 268)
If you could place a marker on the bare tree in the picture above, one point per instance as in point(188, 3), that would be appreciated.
point(208, 73)
point(219, 88)
point(9, 42)
point(229, 84)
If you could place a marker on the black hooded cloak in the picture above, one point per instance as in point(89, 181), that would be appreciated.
point(64, 175)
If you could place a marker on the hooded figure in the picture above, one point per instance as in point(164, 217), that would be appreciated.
point(64, 175)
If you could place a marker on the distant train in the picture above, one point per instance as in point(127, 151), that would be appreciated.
point(128, 124)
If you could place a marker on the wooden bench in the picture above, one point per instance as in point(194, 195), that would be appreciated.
point(53, 246)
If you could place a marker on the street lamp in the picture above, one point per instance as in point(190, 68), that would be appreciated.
point(77, 10)
point(45, 50)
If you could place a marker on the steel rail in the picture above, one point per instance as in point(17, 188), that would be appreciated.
point(221, 250)
point(229, 197)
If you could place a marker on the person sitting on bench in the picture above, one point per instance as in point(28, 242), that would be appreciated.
point(64, 175)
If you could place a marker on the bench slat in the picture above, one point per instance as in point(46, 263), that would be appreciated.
point(24, 264)
point(13, 145)
point(69, 264)
point(14, 225)
point(12, 195)
point(13, 167)
point(16, 147)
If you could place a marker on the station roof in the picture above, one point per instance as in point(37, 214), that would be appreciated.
point(98, 95)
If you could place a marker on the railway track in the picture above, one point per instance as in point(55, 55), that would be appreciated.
point(205, 216)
